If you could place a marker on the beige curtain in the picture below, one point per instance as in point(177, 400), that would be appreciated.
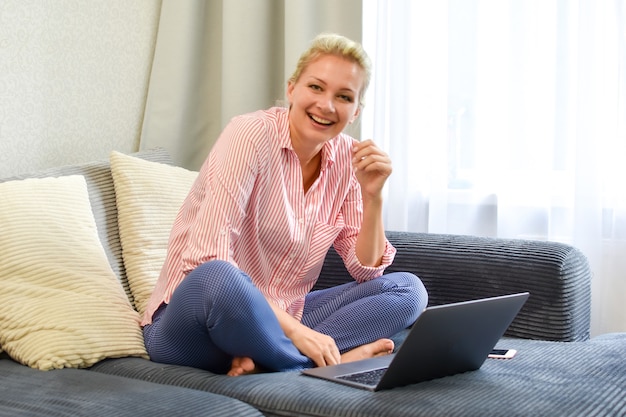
point(215, 59)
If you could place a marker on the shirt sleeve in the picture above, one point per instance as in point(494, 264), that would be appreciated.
point(222, 193)
point(345, 244)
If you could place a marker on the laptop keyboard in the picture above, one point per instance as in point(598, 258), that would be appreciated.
point(366, 377)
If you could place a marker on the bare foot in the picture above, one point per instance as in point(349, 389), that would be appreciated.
point(380, 347)
point(242, 366)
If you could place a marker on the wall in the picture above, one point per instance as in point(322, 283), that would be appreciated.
point(73, 79)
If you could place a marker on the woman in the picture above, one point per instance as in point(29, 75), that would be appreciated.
point(279, 187)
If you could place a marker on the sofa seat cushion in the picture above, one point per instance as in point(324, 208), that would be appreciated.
point(78, 392)
point(544, 378)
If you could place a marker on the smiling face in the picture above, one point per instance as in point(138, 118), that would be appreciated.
point(324, 99)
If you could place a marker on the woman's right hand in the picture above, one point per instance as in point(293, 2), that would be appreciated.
point(321, 348)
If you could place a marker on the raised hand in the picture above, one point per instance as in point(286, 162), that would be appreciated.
point(372, 167)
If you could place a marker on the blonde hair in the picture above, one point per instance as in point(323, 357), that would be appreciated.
point(334, 44)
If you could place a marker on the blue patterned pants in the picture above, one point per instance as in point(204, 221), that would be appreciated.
point(216, 313)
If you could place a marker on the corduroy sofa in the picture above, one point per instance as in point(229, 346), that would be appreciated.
point(558, 371)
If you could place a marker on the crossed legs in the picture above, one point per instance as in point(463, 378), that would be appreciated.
point(217, 315)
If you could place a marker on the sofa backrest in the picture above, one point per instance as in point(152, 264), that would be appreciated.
point(458, 268)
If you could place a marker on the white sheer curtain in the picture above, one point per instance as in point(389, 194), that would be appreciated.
point(507, 118)
point(216, 59)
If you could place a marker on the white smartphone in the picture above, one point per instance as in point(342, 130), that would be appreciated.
point(502, 353)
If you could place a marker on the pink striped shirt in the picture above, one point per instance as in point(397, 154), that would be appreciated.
point(248, 207)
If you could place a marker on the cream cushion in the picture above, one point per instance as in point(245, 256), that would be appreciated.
point(61, 305)
point(149, 195)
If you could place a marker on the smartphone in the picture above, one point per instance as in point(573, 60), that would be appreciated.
point(502, 353)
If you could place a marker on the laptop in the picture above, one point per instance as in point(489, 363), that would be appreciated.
point(445, 340)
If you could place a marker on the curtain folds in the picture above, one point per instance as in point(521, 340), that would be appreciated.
point(507, 118)
point(216, 59)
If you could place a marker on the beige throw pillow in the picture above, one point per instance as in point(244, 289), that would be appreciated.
point(61, 305)
point(149, 195)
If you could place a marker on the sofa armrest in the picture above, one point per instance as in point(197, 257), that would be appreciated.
point(457, 267)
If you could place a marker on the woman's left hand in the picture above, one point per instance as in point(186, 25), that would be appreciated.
point(372, 167)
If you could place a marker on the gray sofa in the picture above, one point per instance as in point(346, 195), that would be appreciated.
point(558, 371)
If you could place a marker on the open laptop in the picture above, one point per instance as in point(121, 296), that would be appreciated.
point(445, 340)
